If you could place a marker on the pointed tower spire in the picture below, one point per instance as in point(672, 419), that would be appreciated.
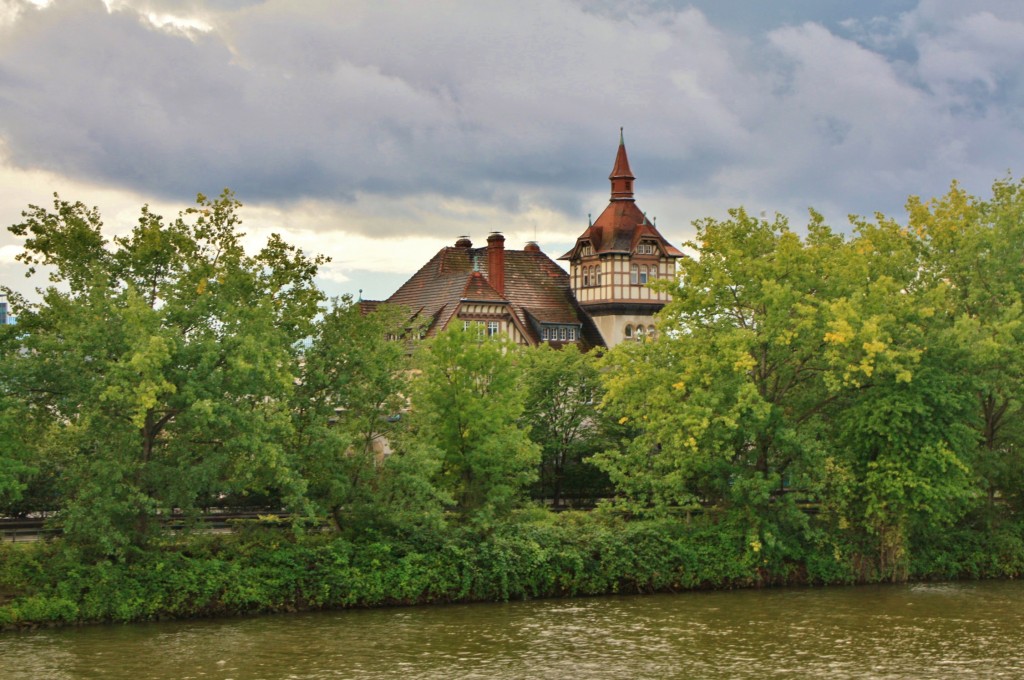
point(622, 177)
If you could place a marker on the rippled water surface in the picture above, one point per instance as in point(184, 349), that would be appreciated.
point(922, 631)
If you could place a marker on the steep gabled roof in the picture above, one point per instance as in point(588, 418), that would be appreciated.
point(479, 289)
point(534, 285)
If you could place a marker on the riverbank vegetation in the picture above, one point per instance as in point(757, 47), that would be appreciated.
point(816, 407)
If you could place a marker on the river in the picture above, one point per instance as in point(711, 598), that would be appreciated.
point(918, 631)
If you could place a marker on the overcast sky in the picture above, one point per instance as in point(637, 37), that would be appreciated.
point(375, 132)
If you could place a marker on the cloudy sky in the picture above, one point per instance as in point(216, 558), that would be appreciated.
point(375, 132)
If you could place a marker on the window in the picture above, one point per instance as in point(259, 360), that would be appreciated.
point(544, 334)
point(650, 332)
point(646, 248)
point(629, 332)
point(562, 333)
point(634, 274)
point(599, 275)
point(465, 325)
point(587, 250)
point(586, 276)
point(639, 332)
point(643, 274)
point(492, 328)
point(572, 333)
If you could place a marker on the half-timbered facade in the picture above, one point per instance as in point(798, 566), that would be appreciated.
point(603, 300)
point(615, 258)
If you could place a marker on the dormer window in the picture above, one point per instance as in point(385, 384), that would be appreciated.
point(586, 250)
point(646, 248)
point(561, 332)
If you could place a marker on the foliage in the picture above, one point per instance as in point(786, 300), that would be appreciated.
point(350, 409)
point(156, 371)
point(816, 408)
point(465, 405)
point(726, 402)
point(563, 390)
point(829, 370)
point(972, 248)
point(267, 569)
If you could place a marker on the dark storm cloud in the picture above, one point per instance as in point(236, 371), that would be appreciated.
point(517, 104)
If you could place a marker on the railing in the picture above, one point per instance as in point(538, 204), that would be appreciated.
point(15, 529)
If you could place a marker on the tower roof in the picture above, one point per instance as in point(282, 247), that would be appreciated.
point(621, 176)
point(621, 168)
point(622, 224)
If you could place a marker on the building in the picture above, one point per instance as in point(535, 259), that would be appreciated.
point(5, 313)
point(602, 301)
point(522, 293)
point(614, 260)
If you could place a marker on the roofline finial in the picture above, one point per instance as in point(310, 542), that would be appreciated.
point(622, 140)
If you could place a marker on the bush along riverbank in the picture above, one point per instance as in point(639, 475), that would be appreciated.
point(262, 570)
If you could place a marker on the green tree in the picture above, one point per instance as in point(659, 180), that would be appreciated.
point(790, 369)
point(465, 405)
point(901, 427)
point(727, 401)
point(158, 365)
point(350, 416)
point(973, 248)
point(563, 390)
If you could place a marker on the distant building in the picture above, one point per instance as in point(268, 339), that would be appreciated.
point(521, 293)
point(614, 260)
point(5, 315)
point(602, 301)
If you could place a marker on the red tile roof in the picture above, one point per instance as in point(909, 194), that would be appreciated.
point(619, 229)
point(622, 224)
point(536, 290)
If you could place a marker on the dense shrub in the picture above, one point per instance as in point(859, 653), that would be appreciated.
point(534, 555)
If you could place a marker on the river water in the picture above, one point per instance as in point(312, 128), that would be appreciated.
point(919, 631)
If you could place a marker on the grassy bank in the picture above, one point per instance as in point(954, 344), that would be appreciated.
point(271, 570)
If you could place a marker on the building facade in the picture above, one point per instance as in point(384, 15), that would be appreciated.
point(603, 300)
point(5, 313)
point(616, 258)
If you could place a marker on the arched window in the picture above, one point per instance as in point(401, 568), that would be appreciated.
point(598, 274)
point(593, 277)
point(629, 332)
point(586, 276)
point(643, 274)
point(639, 332)
point(650, 332)
point(634, 274)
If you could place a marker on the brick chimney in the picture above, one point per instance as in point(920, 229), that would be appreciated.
point(496, 261)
